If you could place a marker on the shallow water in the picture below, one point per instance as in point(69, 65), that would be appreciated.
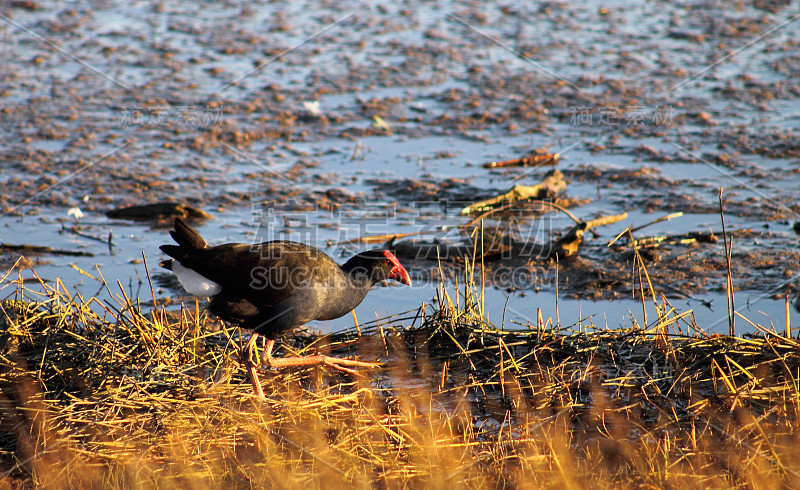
point(707, 95)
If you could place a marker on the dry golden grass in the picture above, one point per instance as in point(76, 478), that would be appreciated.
point(110, 395)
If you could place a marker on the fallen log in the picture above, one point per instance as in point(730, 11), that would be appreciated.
point(682, 239)
point(40, 249)
point(526, 161)
point(158, 211)
point(496, 245)
point(552, 185)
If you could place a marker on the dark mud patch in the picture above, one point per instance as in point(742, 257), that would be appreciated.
point(162, 211)
point(684, 267)
point(428, 188)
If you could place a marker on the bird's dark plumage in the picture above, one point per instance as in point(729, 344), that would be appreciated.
point(275, 286)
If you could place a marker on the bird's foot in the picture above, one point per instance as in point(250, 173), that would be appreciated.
point(251, 365)
point(340, 364)
point(344, 365)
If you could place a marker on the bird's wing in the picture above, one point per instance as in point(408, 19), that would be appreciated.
point(269, 270)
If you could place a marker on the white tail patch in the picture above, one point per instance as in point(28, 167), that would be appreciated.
point(193, 282)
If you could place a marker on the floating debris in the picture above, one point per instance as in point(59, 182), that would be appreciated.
point(158, 212)
point(41, 249)
point(552, 185)
point(76, 212)
point(526, 161)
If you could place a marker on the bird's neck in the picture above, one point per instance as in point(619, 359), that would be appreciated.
point(349, 292)
point(358, 278)
point(355, 294)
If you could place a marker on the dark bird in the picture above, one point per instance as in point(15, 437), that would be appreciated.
point(273, 287)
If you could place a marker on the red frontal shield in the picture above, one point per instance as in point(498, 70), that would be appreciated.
point(398, 273)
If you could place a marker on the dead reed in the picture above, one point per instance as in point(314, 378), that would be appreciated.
point(110, 394)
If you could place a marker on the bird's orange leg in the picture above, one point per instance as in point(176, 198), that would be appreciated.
point(247, 355)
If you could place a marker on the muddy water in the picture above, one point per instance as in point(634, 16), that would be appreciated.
point(323, 124)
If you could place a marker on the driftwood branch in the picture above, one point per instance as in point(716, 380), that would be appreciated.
point(158, 211)
point(568, 244)
point(681, 239)
point(496, 245)
point(39, 249)
point(605, 220)
point(526, 161)
point(552, 185)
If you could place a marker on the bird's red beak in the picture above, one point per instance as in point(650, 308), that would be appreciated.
point(398, 273)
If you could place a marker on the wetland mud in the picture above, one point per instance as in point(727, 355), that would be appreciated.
point(327, 124)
